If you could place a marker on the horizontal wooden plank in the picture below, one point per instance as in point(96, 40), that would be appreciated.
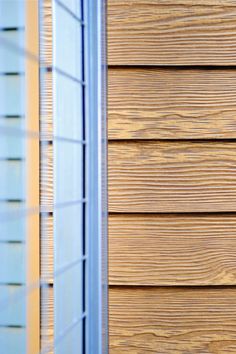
point(148, 32)
point(169, 320)
point(192, 2)
point(171, 104)
point(172, 249)
point(172, 177)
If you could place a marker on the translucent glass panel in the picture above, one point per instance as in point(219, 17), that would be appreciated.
point(69, 193)
point(68, 228)
point(12, 105)
point(74, 6)
point(12, 14)
point(12, 339)
point(68, 46)
point(11, 61)
point(68, 107)
point(71, 343)
point(13, 315)
point(12, 256)
point(12, 228)
point(12, 178)
point(10, 143)
point(68, 299)
point(68, 172)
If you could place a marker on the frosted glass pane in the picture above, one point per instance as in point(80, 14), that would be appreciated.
point(68, 53)
point(12, 180)
point(12, 13)
point(11, 144)
point(13, 340)
point(68, 298)
point(10, 59)
point(12, 268)
point(68, 108)
point(68, 178)
point(68, 172)
point(12, 95)
point(68, 235)
point(72, 342)
point(12, 228)
point(74, 6)
point(13, 313)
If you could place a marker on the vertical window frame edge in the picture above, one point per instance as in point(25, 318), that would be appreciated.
point(95, 89)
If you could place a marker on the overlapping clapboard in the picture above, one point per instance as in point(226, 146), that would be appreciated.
point(172, 176)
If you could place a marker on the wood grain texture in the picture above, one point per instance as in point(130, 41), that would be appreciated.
point(46, 114)
point(172, 320)
point(46, 55)
point(46, 182)
point(172, 250)
point(148, 32)
point(192, 2)
point(47, 248)
point(46, 170)
point(47, 319)
point(154, 103)
point(172, 177)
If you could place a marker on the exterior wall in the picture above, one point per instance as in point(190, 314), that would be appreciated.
point(46, 180)
point(172, 195)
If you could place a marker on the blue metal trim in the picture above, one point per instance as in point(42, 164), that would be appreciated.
point(97, 327)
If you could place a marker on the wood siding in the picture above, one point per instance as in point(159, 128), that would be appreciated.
point(173, 321)
point(150, 32)
point(172, 249)
point(157, 103)
point(172, 176)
